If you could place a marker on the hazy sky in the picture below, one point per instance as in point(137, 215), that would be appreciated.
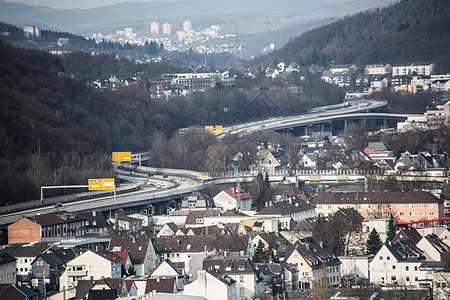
point(71, 3)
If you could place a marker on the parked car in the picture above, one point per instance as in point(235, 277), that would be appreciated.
point(58, 204)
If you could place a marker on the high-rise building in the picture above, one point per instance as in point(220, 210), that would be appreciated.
point(154, 28)
point(187, 26)
point(166, 28)
point(32, 31)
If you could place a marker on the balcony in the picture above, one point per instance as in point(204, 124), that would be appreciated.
point(79, 273)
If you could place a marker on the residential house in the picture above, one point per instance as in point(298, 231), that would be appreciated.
point(25, 255)
point(278, 278)
point(95, 223)
point(233, 199)
point(287, 211)
point(167, 270)
point(170, 229)
point(9, 291)
point(316, 263)
point(24, 231)
point(112, 287)
point(90, 265)
point(406, 206)
point(161, 285)
point(434, 249)
point(192, 250)
point(269, 160)
point(212, 285)
point(126, 264)
point(141, 250)
point(241, 269)
point(378, 151)
point(196, 218)
point(46, 269)
point(271, 240)
point(198, 201)
point(7, 268)
point(397, 263)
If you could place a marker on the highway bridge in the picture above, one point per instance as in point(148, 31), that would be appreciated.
point(354, 110)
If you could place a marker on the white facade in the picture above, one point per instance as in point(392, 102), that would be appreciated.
point(88, 265)
point(167, 29)
point(355, 265)
point(154, 28)
point(226, 202)
point(193, 261)
point(386, 269)
point(210, 287)
point(410, 69)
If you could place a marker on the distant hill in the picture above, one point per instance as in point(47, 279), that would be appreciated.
point(410, 31)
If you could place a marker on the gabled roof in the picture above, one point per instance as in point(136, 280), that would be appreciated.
point(200, 243)
point(83, 287)
point(160, 285)
point(26, 250)
point(234, 194)
point(50, 258)
point(136, 246)
point(65, 255)
point(123, 255)
point(6, 258)
point(404, 252)
point(193, 215)
point(102, 294)
point(437, 243)
point(110, 256)
point(407, 236)
point(230, 265)
point(273, 240)
point(221, 277)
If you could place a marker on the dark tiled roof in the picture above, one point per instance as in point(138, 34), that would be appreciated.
point(110, 256)
point(64, 254)
point(160, 285)
point(6, 258)
point(407, 235)
point(199, 243)
point(83, 287)
point(137, 247)
point(230, 265)
point(102, 294)
point(193, 215)
point(54, 218)
point(26, 251)
point(51, 259)
point(374, 198)
point(98, 218)
point(221, 277)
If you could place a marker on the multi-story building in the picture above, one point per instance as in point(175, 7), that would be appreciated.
point(378, 69)
point(412, 69)
point(196, 81)
point(154, 28)
point(406, 206)
point(166, 29)
point(7, 268)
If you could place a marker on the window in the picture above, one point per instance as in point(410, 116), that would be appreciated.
point(411, 206)
point(388, 257)
point(242, 292)
point(241, 278)
point(393, 278)
point(407, 278)
point(411, 213)
point(381, 257)
point(416, 279)
point(431, 206)
point(421, 213)
point(401, 213)
point(402, 206)
point(431, 213)
point(407, 268)
point(393, 267)
point(415, 268)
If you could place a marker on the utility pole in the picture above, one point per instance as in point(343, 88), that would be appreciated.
point(238, 187)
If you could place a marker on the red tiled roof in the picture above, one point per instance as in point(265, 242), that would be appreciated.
point(233, 193)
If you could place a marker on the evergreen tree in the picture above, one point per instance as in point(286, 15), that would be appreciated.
point(390, 229)
point(373, 243)
point(260, 253)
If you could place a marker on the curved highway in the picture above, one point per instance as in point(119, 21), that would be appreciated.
point(355, 108)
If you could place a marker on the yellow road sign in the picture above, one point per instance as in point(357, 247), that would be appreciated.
point(101, 184)
point(219, 129)
point(209, 129)
point(121, 156)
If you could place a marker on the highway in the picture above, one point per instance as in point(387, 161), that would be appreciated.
point(153, 190)
point(351, 109)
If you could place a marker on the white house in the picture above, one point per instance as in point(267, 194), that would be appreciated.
point(239, 268)
point(167, 270)
point(228, 200)
point(434, 249)
point(396, 263)
point(90, 265)
point(212, 285)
